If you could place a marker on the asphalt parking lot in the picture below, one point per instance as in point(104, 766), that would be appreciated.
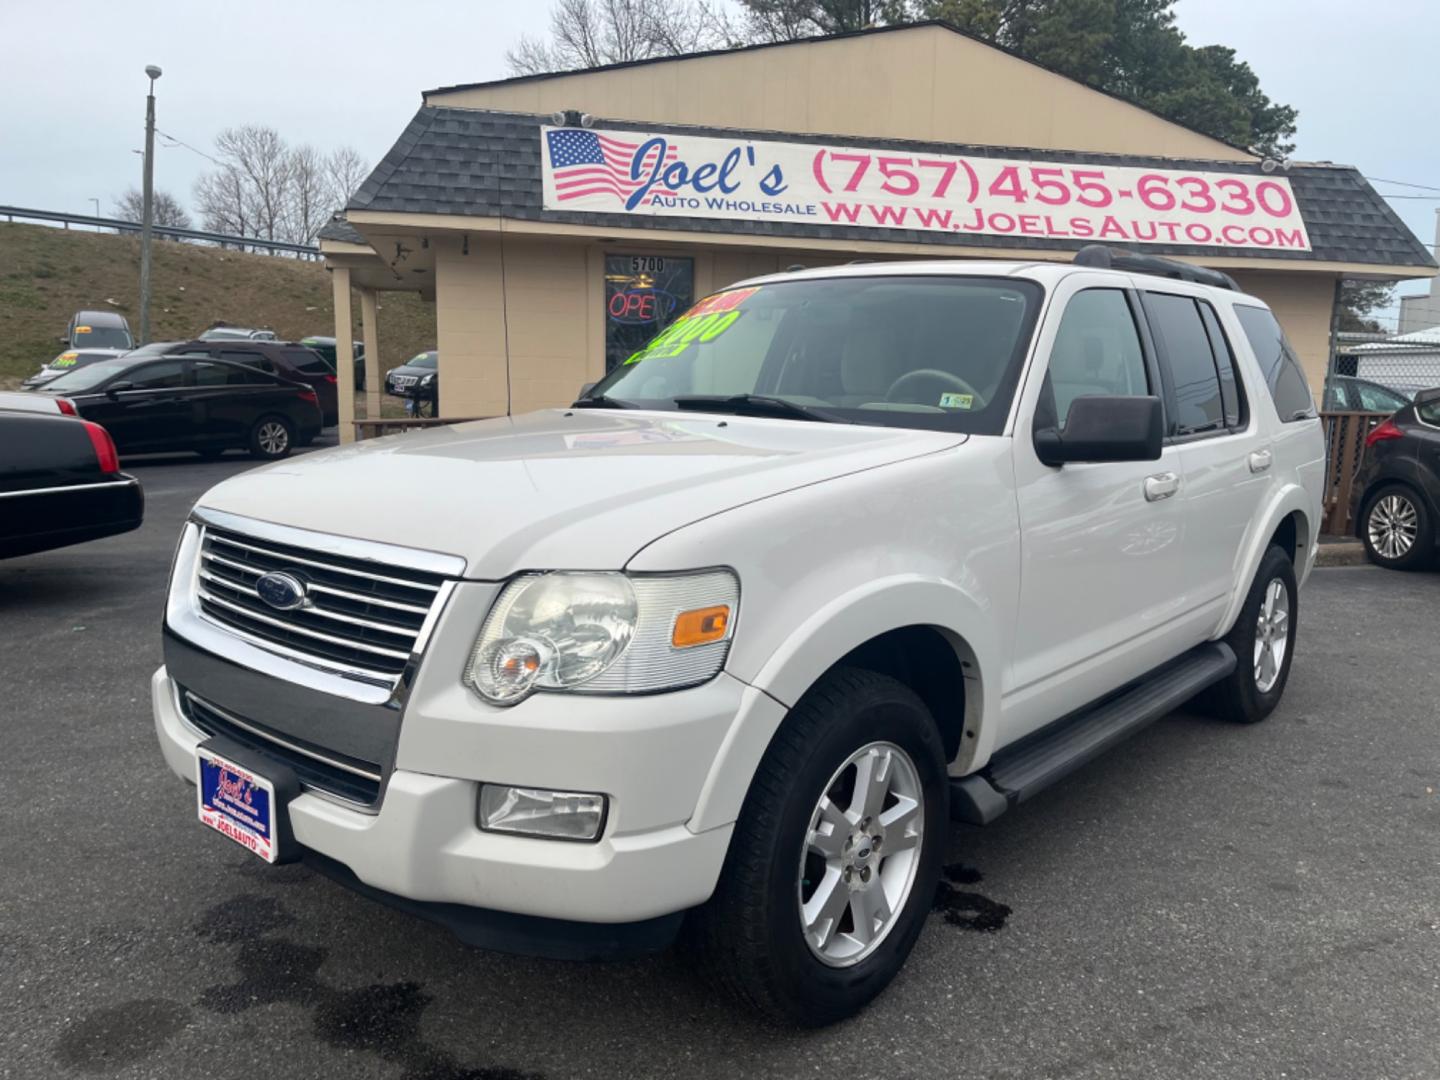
point(1207, 901)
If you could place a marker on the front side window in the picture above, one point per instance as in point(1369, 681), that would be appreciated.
point(159, 376)
point(1096, 351)
point(1185, 352)
point(940, 352)
point(1429, 412)
point(1278, 362)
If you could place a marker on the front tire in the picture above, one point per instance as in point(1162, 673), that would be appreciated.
point(1263, 638)
point(811, 918)
point(272, 438)
point(1396, 529)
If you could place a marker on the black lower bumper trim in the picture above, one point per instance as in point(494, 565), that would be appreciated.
point(524, 935)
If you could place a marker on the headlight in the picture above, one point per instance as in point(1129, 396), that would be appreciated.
point(427, 380)
point(604, 634)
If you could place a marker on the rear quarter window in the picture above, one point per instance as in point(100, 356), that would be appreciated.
point(1284, 377)
point(309, 361)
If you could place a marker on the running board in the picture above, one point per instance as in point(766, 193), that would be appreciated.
point(1017, 773)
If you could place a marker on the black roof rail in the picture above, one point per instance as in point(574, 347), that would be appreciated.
point(1108, 258)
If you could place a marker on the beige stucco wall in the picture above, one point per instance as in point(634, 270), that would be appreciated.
point(925, 83)
point(1303, 304)
point(541, 304)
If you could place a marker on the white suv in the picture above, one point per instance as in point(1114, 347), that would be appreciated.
point(839, 556)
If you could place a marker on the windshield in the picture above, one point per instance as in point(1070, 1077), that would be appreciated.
point(941, 352)
point(423, 360)
point(67, 361)
point(100, 337)
point(87, 378)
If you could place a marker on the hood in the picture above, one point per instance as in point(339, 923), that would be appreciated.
point(583, 489)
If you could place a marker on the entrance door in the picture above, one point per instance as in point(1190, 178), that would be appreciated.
point(1100, 542)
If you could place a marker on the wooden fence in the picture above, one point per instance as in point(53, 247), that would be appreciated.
point(1345, 448)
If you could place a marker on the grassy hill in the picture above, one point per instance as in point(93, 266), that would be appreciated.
point(47, 274)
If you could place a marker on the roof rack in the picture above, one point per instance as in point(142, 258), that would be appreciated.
point(1109, 258)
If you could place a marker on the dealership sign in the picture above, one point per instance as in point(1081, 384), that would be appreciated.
point(692, 176)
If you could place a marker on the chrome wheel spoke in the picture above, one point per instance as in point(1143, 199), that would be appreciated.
point(901, 826)
point(829, 831)
point(872, 781)
point(870, 911)
point(821, 914)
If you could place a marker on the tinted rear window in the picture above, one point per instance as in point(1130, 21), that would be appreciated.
point(1284, 377)
point(1199, 404)
point(309, 361)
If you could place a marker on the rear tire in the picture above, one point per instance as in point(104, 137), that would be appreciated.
point(1263, 638)
point(272, 438)
point(1396, 529)
point(803, 865)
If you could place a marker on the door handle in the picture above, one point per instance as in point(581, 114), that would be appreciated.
point(1260, 460)
point(1161, 486)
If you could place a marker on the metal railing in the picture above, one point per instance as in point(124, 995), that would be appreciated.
point(119, 225)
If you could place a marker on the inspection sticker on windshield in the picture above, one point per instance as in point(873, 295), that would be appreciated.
point(956, 401)
point(236, 802)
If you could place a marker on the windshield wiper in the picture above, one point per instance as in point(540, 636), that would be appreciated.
point(753, 403)
point(601, 401)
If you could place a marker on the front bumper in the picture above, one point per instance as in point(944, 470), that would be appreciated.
point(650, 756)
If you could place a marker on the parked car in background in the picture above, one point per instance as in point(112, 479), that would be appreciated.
point(728, 642)
point(297, 363)
point(325, 346)
point(418, 381)
point(97, 330)
point(192, 403)
point(68, 361)
point(1347, 393)
point(1395, 497)
point(237, 333)
point(60, 483)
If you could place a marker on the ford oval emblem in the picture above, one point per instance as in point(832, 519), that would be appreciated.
point(283, 592)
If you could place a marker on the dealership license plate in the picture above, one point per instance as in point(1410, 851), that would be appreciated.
point(237, 803)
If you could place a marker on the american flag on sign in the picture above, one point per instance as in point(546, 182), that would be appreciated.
point(587, 163)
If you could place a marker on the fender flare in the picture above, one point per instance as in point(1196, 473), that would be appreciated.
point(1287, 500)
point(828, 634)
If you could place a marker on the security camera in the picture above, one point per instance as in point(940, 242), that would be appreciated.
point(152, 71)
point(1269, 165)
point(558, 118)
point(586, 120)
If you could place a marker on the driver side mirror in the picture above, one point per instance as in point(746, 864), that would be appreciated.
point(115, 388)
point(64, 340)
point(1105, 428)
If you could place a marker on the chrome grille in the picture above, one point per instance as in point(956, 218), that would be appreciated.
point(360, 617)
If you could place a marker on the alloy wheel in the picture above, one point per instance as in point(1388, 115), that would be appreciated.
point(273, 438)
point(861, 854)
point(1393, 526)
point(1272, 635)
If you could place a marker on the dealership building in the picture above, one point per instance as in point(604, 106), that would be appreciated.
point(558, 221)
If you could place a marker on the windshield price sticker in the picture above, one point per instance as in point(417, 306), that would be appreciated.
point(762, 180)
point(957, 401)
point(706, 321)
point(65, 360)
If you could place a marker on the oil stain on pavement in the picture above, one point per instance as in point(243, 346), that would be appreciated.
point(967, 910)
point(382, 1019)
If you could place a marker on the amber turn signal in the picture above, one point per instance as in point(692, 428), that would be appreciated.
point(700, 626)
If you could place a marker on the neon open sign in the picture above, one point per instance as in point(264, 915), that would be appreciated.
point(638, 307)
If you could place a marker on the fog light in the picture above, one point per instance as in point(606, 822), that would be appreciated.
point(558, 815)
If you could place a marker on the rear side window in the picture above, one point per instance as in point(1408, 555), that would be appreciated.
point(309, 361)
point(1186, 354)
point(228, 375)
point(1283, 375)
point(1231, 397)
point(248, 358)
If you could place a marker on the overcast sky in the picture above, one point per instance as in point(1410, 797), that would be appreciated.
point(330, 72)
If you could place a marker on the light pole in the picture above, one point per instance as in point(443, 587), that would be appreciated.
point(148, 218)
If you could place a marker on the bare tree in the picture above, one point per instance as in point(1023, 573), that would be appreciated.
point(592, 33)
point(263, 161)
point(345, 170)
point(309, 200)
point(165, 207)
point(222, 200)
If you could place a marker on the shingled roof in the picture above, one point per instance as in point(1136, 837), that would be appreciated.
point(482, 163)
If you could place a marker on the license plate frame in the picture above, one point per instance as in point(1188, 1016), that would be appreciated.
point(237, 802)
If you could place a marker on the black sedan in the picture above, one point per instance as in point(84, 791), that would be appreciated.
point(1396, 494)
point(60, 483)
point(192, 403)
